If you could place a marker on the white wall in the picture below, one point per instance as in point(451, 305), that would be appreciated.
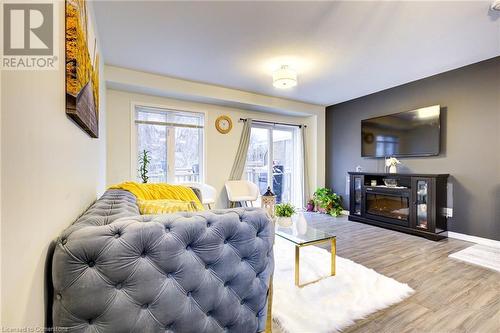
point(159, 85)
point(220, 149)
point(51, 171)
point(0, 199)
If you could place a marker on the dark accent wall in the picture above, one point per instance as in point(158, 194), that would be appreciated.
point(470, 140)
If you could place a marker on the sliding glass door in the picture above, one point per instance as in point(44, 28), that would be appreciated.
point(272, 160)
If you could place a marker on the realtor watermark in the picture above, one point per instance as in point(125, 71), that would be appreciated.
point(29, 40)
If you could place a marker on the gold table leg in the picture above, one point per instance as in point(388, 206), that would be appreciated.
point(297, 265)
point(333, 250)
point(269, 321)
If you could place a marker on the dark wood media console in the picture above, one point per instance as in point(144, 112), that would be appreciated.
point(415, 206)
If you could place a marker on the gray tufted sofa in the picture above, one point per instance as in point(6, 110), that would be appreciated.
point(114, 270)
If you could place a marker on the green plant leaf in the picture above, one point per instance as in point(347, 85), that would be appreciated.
point(144, 161)
point(326, 199)
point(284, 210)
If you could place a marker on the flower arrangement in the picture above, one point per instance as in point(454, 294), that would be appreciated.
point(392, 162)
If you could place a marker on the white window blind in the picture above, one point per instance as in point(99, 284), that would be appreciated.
point(174, 140)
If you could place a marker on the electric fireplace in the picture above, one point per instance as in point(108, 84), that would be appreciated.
point(415, 205)
point(391, 207)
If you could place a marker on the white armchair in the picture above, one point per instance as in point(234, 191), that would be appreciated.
point(208, 193)
point(242, 191)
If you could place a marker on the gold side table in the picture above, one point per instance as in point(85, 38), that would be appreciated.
point(302, 234)
point(333, 250)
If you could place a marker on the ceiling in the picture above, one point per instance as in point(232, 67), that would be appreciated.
point(341, 50)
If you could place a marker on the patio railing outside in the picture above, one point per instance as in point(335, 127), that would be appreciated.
point(282, 180)
point(182, 175)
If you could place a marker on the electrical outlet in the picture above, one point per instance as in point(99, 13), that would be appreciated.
point(448, 212)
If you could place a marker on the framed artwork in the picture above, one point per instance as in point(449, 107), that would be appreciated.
point(82, 68)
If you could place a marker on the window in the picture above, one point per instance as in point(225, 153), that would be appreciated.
point(386, 145)
point(175, 142)
point(273, 160)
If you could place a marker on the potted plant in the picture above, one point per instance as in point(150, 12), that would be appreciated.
point(327, 201)
point(144, 161)
point(284, 212)
point(310, 205)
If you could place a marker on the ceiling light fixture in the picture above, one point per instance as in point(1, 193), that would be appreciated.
point(428, 112)
point(284, 77)
point(495, 5)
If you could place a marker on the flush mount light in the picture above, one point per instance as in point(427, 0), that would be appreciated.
point(284, 77)
point(495, 5)
point(428, 112)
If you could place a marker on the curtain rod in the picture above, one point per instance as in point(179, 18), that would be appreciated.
point(272, 122)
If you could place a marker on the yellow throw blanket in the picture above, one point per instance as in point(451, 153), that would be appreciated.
point(149, 197)
point(165, 206)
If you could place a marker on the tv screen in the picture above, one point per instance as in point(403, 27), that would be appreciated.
point(410, 133)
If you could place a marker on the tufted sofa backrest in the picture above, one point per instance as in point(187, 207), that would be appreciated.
point(114, 270)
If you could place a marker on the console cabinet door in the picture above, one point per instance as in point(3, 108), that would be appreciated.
point(422, 205)
point(356, 195)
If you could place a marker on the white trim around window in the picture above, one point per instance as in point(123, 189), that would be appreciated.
point(133, 133)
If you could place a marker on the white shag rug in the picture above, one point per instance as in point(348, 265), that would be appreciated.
point(334, 302)
point(481, 255)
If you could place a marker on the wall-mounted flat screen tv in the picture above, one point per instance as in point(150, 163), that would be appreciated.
point(410, 133)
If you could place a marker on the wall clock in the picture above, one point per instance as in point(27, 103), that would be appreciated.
point(224, 124)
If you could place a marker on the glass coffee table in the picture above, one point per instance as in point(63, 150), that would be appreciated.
point(301, 234)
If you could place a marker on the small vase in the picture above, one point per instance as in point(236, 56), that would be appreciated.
point(310, 207)
point(393, 169)
point(301, 223)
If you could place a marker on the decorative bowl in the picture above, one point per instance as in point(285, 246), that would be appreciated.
point(390, 182)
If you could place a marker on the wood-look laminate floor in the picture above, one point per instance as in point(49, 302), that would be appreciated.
point(450, 296)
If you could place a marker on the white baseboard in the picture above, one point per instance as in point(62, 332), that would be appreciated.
point(474, 239)
point(464, 237)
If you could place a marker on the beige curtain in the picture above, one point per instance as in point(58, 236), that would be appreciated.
point(241, 154)
point(304, 168)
